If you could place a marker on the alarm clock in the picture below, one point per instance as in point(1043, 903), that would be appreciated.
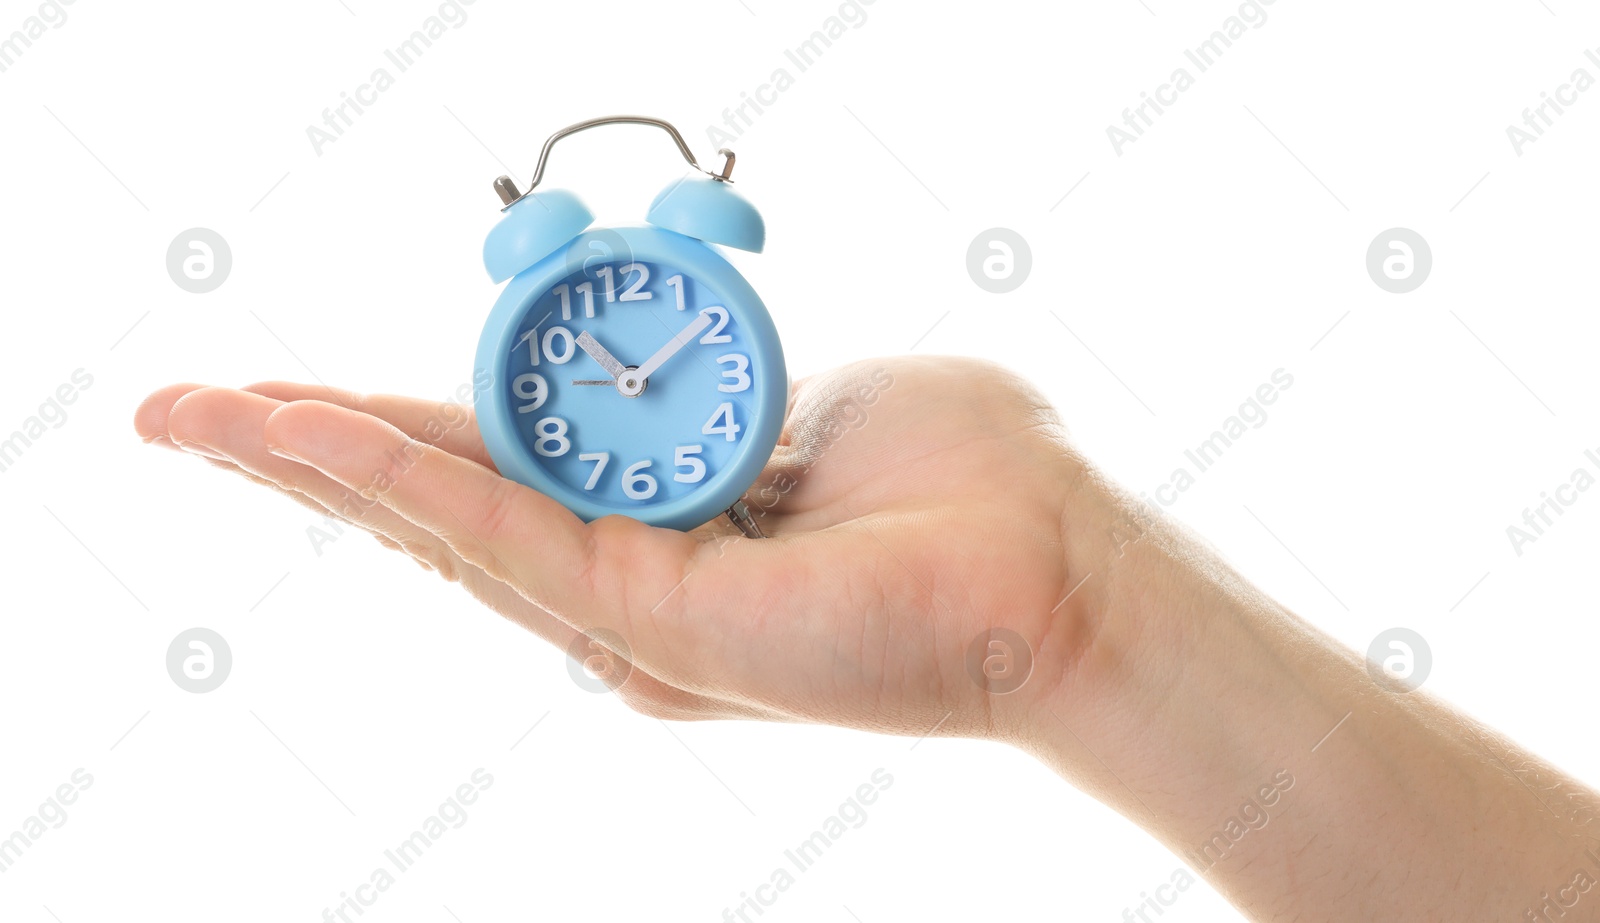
point(630, 370)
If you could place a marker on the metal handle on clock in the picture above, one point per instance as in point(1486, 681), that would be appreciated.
point(508, 189)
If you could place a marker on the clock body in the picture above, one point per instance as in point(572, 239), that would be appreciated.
point(692, 441)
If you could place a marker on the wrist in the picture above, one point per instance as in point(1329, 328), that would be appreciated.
point(1152, 712)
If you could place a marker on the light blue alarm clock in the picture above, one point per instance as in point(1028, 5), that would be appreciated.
point(630, 370)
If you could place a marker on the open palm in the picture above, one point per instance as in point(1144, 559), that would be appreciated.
point(914, 506)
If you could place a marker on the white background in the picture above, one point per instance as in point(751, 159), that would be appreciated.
point(1227, 243)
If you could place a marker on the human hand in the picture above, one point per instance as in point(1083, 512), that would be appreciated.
point(919, 508)
point(914, 504)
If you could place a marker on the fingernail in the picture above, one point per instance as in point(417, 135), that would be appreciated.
point(199, 449)
point(282, 452)
point(163, 442)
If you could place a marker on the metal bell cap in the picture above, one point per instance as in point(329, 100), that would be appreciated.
point(532, 228)
point(710, 210)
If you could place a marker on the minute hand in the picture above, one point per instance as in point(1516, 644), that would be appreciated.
point(671, 349)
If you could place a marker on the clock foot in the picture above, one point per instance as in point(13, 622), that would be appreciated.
point(740, 514)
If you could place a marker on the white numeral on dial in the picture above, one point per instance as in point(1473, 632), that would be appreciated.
point(632, 293)
point(636, 484)
point(721, 422)
point(530, 387)
point(715, 334)
point(605, 273)
point(685, 458)
point(677, 286)
point(564, 295)
point(586, 289)
point(738, 375)
point(550, 338)
point(600, 458)
point(552, 441)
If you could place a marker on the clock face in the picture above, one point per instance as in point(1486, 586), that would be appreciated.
point(633, 385)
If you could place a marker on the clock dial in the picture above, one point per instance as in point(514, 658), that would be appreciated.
point(631, 383)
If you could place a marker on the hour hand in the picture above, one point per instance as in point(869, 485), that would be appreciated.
point(599, 354)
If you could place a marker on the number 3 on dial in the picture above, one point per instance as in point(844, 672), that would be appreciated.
point(738, 376)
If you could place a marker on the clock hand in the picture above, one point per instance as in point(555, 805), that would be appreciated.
point(671, 349)
point(599, 354)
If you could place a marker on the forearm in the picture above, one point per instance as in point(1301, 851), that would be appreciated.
point(1268, 759)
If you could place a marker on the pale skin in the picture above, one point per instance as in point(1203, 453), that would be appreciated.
point(1163, 683)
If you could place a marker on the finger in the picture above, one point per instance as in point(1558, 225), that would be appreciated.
point(150, 418)
point(452, 427)
point(225, 426)
point(589, 576)
point(230, 425)
point(795, 389)
point(152, 423)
